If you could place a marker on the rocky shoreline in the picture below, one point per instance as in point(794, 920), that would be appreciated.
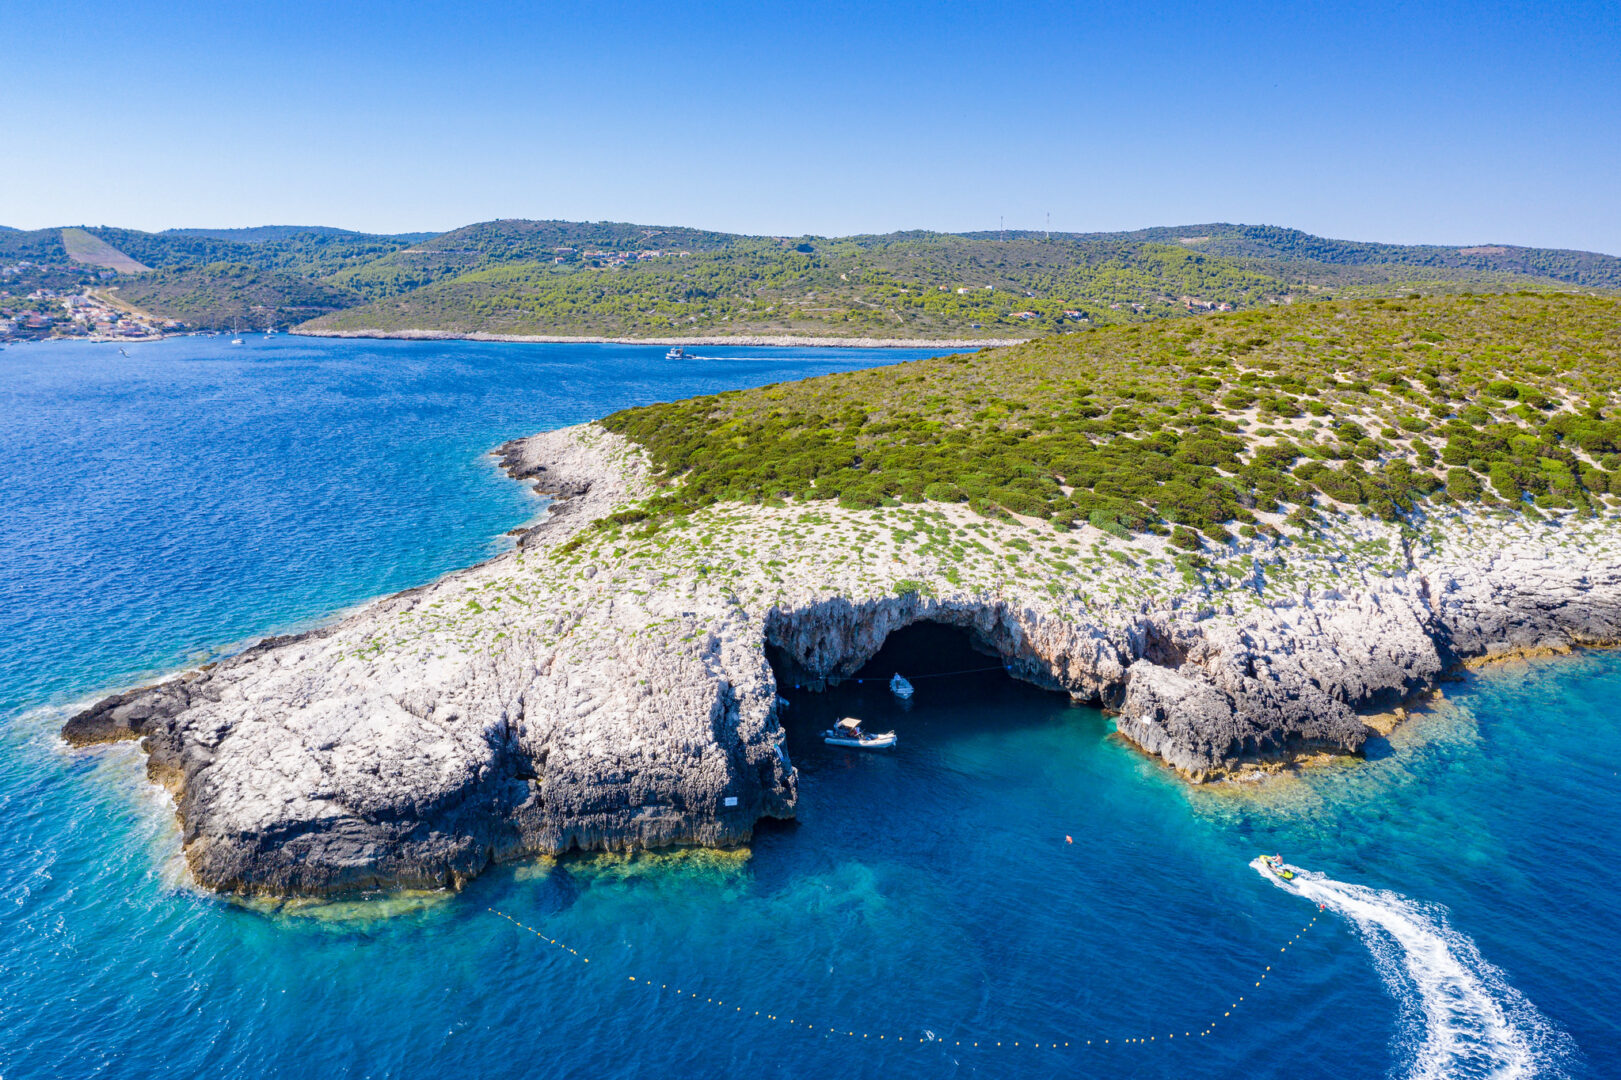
point(608, 687)
point(779, 340)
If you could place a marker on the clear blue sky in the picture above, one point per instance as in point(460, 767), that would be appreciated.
point(1437, 121)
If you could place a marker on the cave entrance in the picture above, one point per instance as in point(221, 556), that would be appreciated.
point(963, 691)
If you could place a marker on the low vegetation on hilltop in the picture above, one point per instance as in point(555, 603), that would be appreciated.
point(1189, 425)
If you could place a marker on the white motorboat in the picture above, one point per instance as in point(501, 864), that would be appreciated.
point(677, 353)
point(847, 732)
point(900, 687)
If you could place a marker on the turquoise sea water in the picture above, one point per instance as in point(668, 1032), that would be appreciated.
point(1011, 873)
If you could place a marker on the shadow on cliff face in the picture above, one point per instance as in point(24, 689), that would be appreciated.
point(960, 691)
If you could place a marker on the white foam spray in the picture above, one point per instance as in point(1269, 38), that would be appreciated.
point(1460, 1019)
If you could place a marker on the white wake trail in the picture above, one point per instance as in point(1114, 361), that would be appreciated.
point(1461, 1020)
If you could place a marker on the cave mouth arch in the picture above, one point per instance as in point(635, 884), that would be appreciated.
point(963, 686)
point(925, 649)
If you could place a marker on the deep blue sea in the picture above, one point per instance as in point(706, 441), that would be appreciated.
point(1012, 875)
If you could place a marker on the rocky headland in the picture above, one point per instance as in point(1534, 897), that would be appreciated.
point(606, 685)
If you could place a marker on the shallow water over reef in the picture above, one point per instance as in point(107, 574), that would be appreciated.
point(1011, 872)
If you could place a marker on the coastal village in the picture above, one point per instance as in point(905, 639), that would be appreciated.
point(44, 313)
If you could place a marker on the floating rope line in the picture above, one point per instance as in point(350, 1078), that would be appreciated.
point(988, 1043)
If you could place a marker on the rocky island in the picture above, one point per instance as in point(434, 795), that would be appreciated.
point(1241, 534)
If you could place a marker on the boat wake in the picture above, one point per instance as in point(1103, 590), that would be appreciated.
point(1459, 1016)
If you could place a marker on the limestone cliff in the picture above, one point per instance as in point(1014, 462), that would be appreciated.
point(608, 687)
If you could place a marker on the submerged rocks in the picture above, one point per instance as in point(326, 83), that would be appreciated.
point(605, 685)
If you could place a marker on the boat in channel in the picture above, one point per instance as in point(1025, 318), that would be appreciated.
point(848, 732)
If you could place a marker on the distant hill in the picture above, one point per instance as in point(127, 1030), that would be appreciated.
point(622, 279)
point(33, 245)
point(262, 234)
point(526, 278)
point(314, 253)
point(1275, 244)
point(220, 296)
point(496, 243)
point(907, 287)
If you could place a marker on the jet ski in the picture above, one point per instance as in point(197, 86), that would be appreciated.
point(1275, 864)
point(847, 732)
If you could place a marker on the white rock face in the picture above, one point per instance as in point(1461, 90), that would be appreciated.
point(609, 687)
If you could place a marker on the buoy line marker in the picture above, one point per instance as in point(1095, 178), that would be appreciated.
point(692, 996)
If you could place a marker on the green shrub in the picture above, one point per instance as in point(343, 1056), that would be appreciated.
point(1102, 519)
point(1506, 479)
point(1184, 537)
point(1463, 485)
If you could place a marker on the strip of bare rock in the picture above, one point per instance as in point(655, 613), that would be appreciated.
point(606, 686)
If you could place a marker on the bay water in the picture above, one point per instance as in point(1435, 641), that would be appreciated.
point(1012, 875)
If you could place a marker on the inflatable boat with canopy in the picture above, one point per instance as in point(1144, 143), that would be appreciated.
point(847, 732)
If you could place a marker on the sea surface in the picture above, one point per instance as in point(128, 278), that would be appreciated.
point(1012, 875)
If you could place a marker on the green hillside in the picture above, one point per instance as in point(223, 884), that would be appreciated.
point(220, 296)
point(33, 245)
point(905, 286)
point(271, 234)
point(1585, 269)
point(557, 278)
point(1509, 400)
point(1284, 250)
point(315, 253)
point(504, 243)
point(618, 279)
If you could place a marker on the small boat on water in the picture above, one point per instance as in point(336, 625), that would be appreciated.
point(1275, 864)
point(847, 732)
point(677, 353)
point(900, 687)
